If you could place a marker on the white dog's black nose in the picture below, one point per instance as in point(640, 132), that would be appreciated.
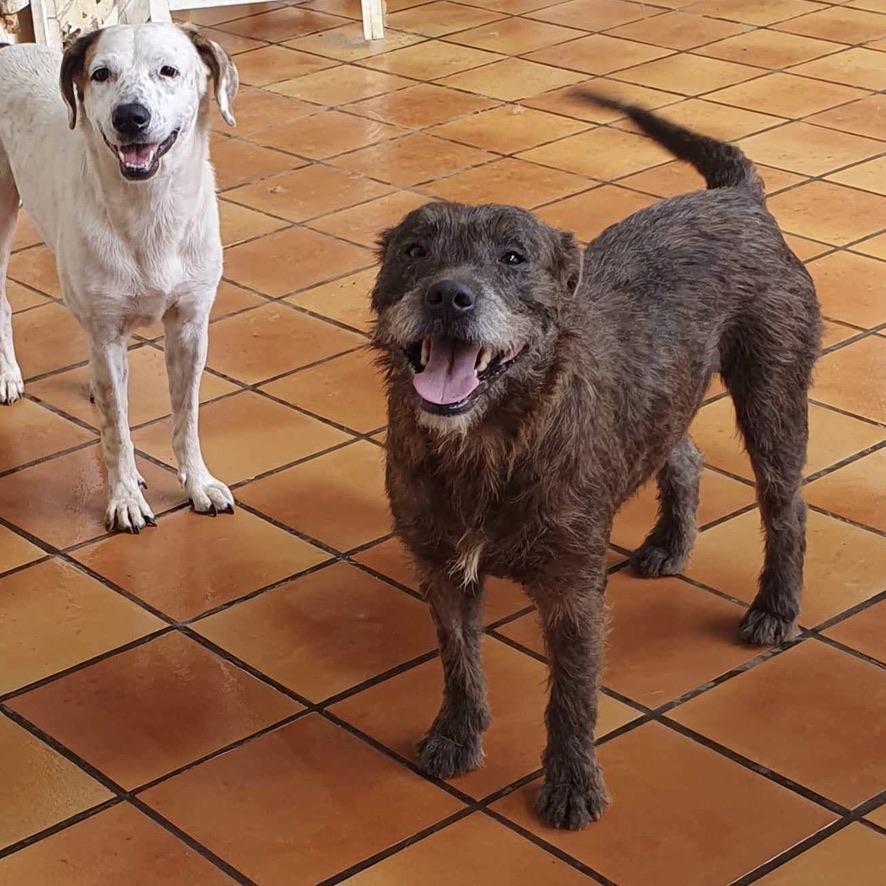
point(131, 119)
point(450, 300)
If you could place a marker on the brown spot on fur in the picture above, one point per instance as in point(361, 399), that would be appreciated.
point(72, 79)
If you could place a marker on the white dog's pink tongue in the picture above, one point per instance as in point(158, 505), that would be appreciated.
point(449, 375)
point(137, 155)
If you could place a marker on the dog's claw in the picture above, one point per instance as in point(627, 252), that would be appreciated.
point(127, 510)
point(210, 497)
point(150, 521)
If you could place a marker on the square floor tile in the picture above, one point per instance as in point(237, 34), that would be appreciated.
point(590, 213)
point(325, 633)
point(852, 379)
point(308, 192)
point(857, 491)
point(719, 496)
point(604, 14)
point(399, 711)
point(853, 855)
point(270, 64)
point(55, 616)
point(362, 224)
point(134, 718)
point(35, 267)
point(851, 288)
point(345, 300)
point(282, 24)
point(419, 106)
point(347, 43)
point(867, 176)
point(509, 181)
point(119, 845)
point(238, 555)
point(290, 260)
point(439, 19)
point(838, 23)
point(689, 74)
point(255, 108)
point(238, 223)
point(431, 60)
point(336, 498)
point(829, 213)
point(598, 54)
point(22, 298)
point(411, 160)
point(16, 551)
point(40, 787)
point(238, 162)
point(754, 12)
point(340, 85)
point(769, 49)
point(810, 150)
point(512, 79)
point(509, 129)
point(862, 68)
point(29, 432)
point(515, 36)
point(679, 30)
point(601, 153)
point(864, 117)
point(473, 850)
point(844, 564)
point(46, 339)
point(70, 391)
point(832, 438)
point(239, 805)
point(865, 631)
point(70, 507)
point(326, 134)
point(274, 339)
point(234, 438)
point(833, 701)
point(786, 95)
point(346, 390)
point(668, 797)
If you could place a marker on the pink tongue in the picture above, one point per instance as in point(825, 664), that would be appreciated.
point(137, 155)
point(449, 375)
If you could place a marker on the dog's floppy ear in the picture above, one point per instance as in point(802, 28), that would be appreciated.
point(571, 259)
point(224, 74)
point(73, 73)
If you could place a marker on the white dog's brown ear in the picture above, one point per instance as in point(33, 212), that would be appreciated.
point(73, 77)
point(225, 78)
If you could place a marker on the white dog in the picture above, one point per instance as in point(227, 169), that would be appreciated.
point(119, 185)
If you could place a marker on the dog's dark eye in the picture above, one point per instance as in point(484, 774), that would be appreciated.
point(168, 72)
point(512, 257)
point(100, 75)
point(416, 250)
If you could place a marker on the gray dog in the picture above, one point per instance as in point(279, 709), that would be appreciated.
point(532, 390)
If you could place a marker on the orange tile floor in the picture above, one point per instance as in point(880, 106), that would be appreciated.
point(236, 700)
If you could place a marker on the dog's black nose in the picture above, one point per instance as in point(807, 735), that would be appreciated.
point(449, 299)
point(131, 119)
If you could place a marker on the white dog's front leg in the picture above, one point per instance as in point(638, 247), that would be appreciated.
point(186, 344)
point(109, 367)
point(11, 384)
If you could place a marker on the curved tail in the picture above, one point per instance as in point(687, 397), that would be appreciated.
point(722, 165)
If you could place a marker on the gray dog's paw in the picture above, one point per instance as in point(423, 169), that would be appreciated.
point(652, 561)
point(445, 758)
point(570, 806)
point(761, 628)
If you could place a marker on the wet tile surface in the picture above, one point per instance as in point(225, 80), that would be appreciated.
point(259, 681)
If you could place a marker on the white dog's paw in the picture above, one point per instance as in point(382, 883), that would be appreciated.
point(210, 496)
point(11, 385)
point(127, 510)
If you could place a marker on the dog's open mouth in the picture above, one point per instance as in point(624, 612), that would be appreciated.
point(450, 373)
point(140, 161)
